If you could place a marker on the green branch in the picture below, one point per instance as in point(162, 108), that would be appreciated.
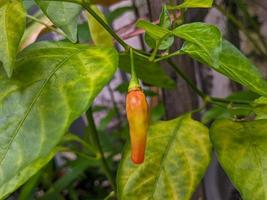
point(106, 26)
point(94, 135)
point(134, 82)
point(176, 53)
point(187, 80)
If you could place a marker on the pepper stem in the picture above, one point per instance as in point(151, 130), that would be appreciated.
point(134, 82)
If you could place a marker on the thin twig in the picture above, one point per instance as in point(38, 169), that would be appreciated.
point(94, 135)
point(106, 26)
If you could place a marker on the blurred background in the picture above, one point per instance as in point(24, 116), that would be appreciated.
point(243, 22)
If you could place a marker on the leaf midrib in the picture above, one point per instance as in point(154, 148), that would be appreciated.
point(169, 145)
point(35, 100)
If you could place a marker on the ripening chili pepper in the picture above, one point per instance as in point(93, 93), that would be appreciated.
point(138, 117)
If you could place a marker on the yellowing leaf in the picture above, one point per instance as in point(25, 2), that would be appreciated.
point(99, 35)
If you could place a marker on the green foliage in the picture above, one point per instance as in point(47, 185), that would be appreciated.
point(63, 14)
point(195, 4)
point(83, 33)
point(237, 67)
point(118, 12)
point(154, 31)
point(241, 150)
point(13, 178)
point(12, 25)
point(204, 43)
point(177, 156)
point(260, 107)
point(165, 42)
point(53, 83)
point(149, 72)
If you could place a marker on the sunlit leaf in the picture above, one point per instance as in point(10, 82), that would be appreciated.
point(260, 107)
point(53, 83)
point(177, 156)
point(203, 37)
point(194, 4)
point(241, 150)
point(203, 42)
point(99, 35)
point(12, 25)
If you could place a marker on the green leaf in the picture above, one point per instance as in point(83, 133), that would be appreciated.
point(260, 107)
point(12, 26)
point(83, 33)
point(100, 36)
point(63, 14)
point(71, 1)
point(241, 150)
point(195, 4)
point(156, 32)
point(118, 12)
point(3, 2)
point(149, 72)
point(237, 67)
point(28, 190)
point(165, 22)
point(177, 156)
point(203, 43)
point(204, 38)
point(53, 83)
point(21, 176)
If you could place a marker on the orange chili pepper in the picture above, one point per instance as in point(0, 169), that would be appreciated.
point(138, 117)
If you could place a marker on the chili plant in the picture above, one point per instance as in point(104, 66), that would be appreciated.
point(45, 86)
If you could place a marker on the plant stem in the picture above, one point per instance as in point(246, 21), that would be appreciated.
point(187, 80)
point(229, 101)
point(134, 82)
point(46, 25)
point(110, 196)
point(106, 26)
point(155, 51)
point(176, 53)
point(95, 138)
